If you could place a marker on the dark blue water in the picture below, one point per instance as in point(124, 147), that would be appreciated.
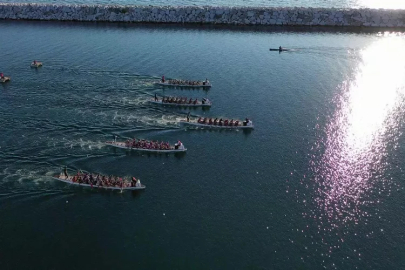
point(388, 4)
point(318, 183)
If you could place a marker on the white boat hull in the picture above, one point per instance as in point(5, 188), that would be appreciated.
point(122, 145)
point(5, 79)
point(239, 126)
point(184, 85)
point(199, 104)
point(36, 65)
point(69, 181)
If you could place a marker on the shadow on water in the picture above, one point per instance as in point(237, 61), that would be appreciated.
point(134, 153)
point(220, 130)
point(5, 85)
point(78, 190)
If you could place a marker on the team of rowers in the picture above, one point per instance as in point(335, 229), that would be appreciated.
point(102, 180)
point(185, 82)
point(138, 143)
point(181, 100)
point(220, 122)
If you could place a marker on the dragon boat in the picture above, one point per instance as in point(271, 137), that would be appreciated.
point(183, 83)
point(226, 124)
point(205, 102)
point(148, 147)
point(122, 186)
point(217, 124)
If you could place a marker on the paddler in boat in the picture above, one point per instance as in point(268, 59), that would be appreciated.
point(177, 145)
point(163, 78)
point(156, 99)
point(188, 117)
point(280, 49)
point(1, 75)
point(65, 172)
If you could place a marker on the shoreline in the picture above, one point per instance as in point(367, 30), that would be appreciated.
point(206, 15)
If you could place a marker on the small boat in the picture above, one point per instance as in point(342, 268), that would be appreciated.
point(36, 64)
point(248, 124)
point(5, 79)
point(278, 50)
point(127, 186)
point(204, 103)
point(178, 147)
point(181, 83)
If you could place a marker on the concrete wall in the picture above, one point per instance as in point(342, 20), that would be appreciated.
point(206, 15)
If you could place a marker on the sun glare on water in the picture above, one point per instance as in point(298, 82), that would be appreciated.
point(387, 4)
point(370, 108)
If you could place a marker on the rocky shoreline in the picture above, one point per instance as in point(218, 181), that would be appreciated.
point(294, 16)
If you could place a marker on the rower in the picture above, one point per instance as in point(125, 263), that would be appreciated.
point(65, 172)
point(195, 102)
point(280, 49)
point(190, 101)
point(188, 117)
point(163, 78)
point(2, 75)
point(156, 99)
point(246, 122)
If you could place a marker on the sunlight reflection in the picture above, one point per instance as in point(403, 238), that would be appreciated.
point(367, 119)
point(387, 4)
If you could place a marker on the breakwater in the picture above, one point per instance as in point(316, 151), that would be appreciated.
point(206, 15)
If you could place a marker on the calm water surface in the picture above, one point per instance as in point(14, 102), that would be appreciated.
point(388, 4)
point(318, 183)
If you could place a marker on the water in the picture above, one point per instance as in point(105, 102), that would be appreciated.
point(318, 183)
point(388, 4)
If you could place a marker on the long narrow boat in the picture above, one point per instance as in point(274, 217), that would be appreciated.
point(5, 79)
point(69, 180)
point(278, 50)
point(123, 145)
point(241, 125)
point(206, 103)
point(202, 84)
